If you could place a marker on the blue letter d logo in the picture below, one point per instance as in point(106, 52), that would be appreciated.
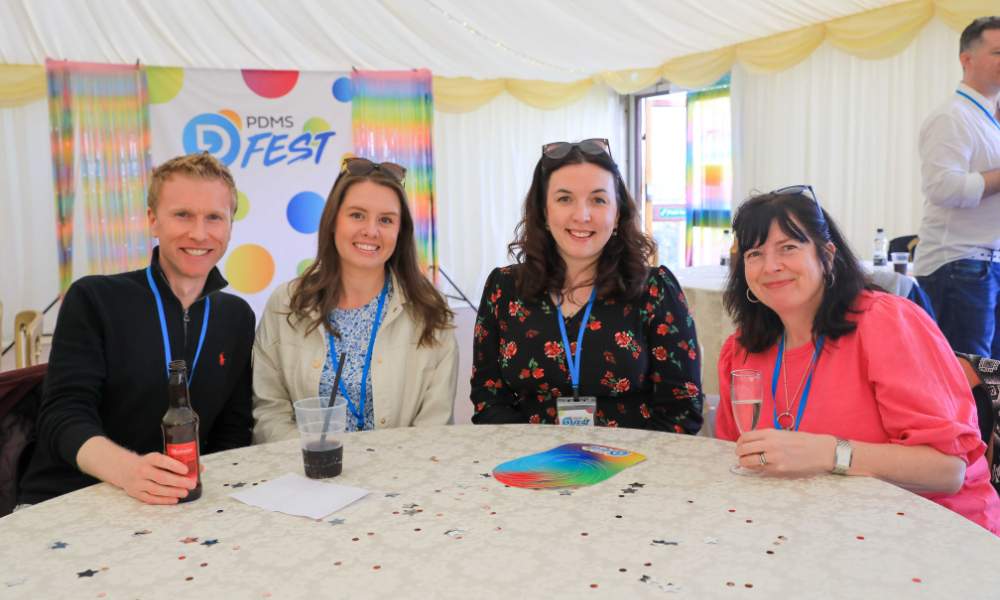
point(212, 133)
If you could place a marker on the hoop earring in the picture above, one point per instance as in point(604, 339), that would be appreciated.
point(614, 231)
point(750, 299)
point(833, 279)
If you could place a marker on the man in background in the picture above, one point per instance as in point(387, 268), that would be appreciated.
point(958, 258)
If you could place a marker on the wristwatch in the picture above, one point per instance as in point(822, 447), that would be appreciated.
point(842, 457)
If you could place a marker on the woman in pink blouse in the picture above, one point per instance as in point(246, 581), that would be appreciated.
point(856, 381)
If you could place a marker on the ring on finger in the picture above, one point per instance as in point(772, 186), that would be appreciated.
point(763, 461)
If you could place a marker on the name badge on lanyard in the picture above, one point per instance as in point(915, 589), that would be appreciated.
point(163, 327)
point(358, 410)
point(578, 410)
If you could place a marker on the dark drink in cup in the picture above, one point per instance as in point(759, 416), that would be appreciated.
point(323, 461)
point(899, 268)
point(180, 427)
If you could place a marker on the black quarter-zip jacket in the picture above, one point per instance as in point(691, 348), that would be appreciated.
point(107, 373)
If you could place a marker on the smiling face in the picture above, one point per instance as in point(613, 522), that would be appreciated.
point(981, 63)
point(193, 222)
point(786, 274)
point(581, 212)
point(367, 226)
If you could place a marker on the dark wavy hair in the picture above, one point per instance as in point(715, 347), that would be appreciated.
point(623, 266)
point(800, 218)
point(317, 291)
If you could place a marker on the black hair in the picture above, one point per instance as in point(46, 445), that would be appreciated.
point(973, 32)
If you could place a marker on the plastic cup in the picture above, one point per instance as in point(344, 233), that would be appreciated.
point(321, 430)
point(900, 261)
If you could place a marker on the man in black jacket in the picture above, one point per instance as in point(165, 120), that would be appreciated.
point(106, 387)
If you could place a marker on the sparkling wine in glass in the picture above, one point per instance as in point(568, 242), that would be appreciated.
point(746, 396)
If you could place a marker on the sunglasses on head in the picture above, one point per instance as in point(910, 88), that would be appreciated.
point(362, 166)
point(593, 147)
point(808, 192)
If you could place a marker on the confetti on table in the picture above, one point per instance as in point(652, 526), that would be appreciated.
point(391, 494)
point(87, 573)
point(58, 546)
point(664, 586)
point(142, 532)
point(664, 543)
point(455, 533)
point(16, 581)
point(637, 485)
point(336, 521)
point(711, 540)
point(210, 542)
point(189, 540)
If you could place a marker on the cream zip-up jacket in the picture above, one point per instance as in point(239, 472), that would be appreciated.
point(411, 385)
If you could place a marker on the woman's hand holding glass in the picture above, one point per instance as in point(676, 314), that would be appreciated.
point(788, 453)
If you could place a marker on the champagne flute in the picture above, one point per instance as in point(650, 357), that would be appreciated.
point(746, 396)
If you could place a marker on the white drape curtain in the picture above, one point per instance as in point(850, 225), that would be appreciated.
point(847, 126)
point(29, 268)
point(484, 162)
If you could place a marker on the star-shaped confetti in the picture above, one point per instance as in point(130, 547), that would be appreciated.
point(636, 484)
point(58, 546)
point(486, 475)
point(455, 533)
point(410, 512)
point(189, 540)
point(87, 573)
point(210, 542)
point(142, 532)
point(411, 505)
point(711, 540)
point(391, 494)
point(664, 543)
point(238, 485)
point(565, 492)
point(336, 521)
point(628, 491)
point(369, 449)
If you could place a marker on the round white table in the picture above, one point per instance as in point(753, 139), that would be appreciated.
point(437, 525)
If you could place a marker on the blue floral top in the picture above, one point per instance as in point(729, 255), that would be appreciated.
point(355, 327)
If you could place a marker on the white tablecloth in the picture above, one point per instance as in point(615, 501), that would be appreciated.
point(438, 526)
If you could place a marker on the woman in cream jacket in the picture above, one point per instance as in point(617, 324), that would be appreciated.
point(364, 282)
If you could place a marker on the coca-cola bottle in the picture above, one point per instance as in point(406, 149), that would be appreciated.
point(180, 427)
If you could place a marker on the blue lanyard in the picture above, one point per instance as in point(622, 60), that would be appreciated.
point(359, 410)
point(980, 107)
point(163, 326)
point(805, 392)
point(574, 361)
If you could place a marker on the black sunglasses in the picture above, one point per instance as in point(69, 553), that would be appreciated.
point(808, 192)
point(593, 147)
point(362, 166)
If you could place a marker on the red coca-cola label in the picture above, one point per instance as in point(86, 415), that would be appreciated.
point(186, 453)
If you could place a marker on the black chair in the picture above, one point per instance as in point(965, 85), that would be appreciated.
point(903, 243)
point(20, 397)
point(983, 375)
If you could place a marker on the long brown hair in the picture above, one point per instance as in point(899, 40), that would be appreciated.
point(623, 266)
point(316, 292)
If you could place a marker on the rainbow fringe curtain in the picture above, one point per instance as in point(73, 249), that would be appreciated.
point(99, 117)
point(392, 115)
point(709, 173)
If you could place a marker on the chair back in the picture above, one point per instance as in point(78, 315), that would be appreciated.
point(983, 374)
point(27, 338)
point(904, 243)
point(20, 398)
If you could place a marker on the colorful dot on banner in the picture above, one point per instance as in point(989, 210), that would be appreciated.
point(249, 268)
point(270, 84)
point(163, 83)
point(304, 210)
point(303, 265)
point(233, 117)
point(315, 125)
point(242, 206)
point(343, 89)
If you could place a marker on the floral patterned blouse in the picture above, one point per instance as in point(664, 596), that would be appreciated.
point(640, 359)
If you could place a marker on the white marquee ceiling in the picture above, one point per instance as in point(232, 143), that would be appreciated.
point(554, 40)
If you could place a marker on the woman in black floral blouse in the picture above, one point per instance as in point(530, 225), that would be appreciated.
point(579, 240)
